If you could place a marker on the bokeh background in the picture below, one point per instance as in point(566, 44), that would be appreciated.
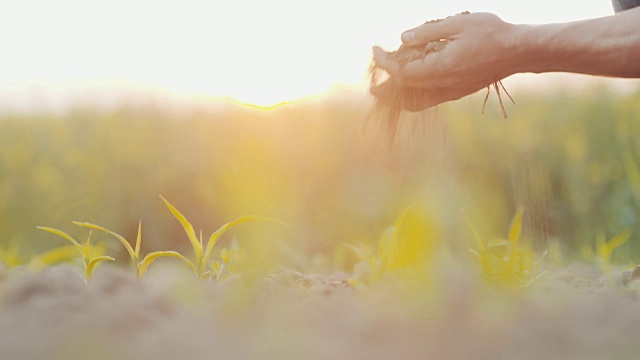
point(327, 168)
point(103, 107)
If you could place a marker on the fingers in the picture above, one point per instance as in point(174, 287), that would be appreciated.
point(413, 73)
point(431, 31)
point(384, 62)
point(381, 59)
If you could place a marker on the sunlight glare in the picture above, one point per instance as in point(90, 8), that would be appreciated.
point(255, 52)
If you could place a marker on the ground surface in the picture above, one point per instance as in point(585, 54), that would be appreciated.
point(569, 314)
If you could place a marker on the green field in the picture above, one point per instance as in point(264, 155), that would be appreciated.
point(324, 167)
point(465, 236)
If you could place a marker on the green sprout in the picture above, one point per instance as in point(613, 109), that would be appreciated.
point(604, 249)
point(221, 267)
point(405, 249)
point(506, 262)
point(134, 253)
point(371, 266)
point(201, 252)
point(10, 256)
point(85, 251)
point(59, 255)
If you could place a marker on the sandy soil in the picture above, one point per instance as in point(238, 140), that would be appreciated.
point(54, 314)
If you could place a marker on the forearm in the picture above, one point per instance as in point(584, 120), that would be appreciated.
point(608, 46)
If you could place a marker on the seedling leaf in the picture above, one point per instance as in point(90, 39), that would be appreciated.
point(86, 248)
point(63, 235)
point(122, 240)
point(53, 256)
point(618, 240)
point(188, 228)
point(94, 262)
point(218, 233)
point(11, 255)
point(498, 243)
point(516, 228)
point(138, 240)
point(151, 257)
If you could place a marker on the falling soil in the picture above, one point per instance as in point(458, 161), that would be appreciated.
point(407, 141)
point(394, 98)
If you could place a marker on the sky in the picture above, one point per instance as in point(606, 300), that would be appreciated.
point(258, 52)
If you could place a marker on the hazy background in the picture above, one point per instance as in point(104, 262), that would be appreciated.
point(106, 105)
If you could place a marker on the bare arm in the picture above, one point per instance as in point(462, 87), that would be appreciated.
point(484, 49)
point(608, 46)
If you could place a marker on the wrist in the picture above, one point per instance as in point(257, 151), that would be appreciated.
point(530, 48)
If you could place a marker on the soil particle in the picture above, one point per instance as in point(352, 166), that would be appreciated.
point(339, 279)
point(319, 284)
point(630, 276)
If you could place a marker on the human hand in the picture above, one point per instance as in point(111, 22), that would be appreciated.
point(480, 50)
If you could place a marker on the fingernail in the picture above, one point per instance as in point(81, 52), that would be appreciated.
point(408, 36)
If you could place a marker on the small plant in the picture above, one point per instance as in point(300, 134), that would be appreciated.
point(222, 267)
point(10, 256)
point(219, 269)
point(89, 260)
point(134, 253)
point(61, 254)
point(604, 249)
point(402, 248)
point(506, 262)
point(203, 253)
point(371, 266)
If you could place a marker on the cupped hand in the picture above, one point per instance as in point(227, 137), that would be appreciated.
point(481, 49)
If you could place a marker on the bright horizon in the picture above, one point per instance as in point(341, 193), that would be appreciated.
point(255, 52)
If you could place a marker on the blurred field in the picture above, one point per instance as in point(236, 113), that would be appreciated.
point(570, 160)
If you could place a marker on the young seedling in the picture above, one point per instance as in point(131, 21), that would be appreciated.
point(506, 262)
point(604, 249)
point(10, 256)
point(201, 252)
point(389, 257)
point(88, 260)
point(221, 267)
point(134, 253)
point(59, 255)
